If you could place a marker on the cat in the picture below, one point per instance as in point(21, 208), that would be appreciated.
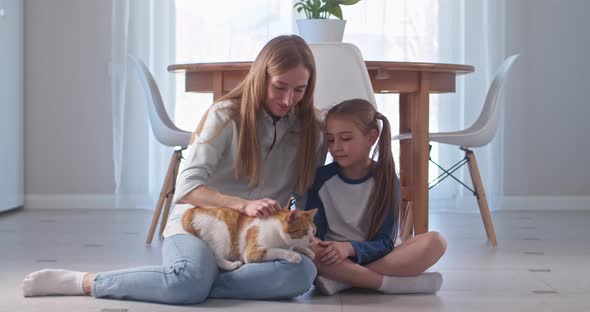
point(237, 239)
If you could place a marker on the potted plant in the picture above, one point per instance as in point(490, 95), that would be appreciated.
point(318, 27)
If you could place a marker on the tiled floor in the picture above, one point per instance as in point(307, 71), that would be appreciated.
point(542, 263)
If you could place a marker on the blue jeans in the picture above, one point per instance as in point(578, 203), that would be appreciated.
point(189, 275)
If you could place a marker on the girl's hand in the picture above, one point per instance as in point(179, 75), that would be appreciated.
point(315, 246)
point(333, 252)
point(261, 208)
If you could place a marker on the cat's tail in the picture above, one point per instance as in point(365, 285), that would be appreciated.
point(187, 221)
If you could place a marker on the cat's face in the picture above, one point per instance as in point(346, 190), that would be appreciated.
point(300, 228)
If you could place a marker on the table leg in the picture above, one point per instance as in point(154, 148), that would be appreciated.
point(420, 107)
point(405, 159)
point(217, 85)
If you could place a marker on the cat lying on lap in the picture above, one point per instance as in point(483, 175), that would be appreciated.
point(237, 239)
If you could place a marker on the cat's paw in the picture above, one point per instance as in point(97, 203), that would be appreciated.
point(293, 257)
point(235, 265)
point(229, 265)
point(307, 252)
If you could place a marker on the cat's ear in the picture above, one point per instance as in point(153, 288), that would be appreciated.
point(294, 215)
point(312, 212)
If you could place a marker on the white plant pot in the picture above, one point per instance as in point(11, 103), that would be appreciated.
point(321, 30)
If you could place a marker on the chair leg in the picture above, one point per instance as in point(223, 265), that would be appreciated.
point(481, 197)
point(170, 191)
point(161, 200)
point(403, 215)
point(408, 222)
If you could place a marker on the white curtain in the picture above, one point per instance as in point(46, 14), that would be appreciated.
point(471, 32)
point(448, 31)
point(145, 29)
point(220, 31)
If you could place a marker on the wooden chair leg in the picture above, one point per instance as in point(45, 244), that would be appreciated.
point(481, 197)
point(170, 191)
point(402, 218)
point(408, 222)
point(161, 201)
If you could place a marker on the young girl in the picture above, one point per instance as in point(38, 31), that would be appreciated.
point(358, 200)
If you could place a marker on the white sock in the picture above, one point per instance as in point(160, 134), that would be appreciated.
point(425, 283)
point(53, 282)
point(328, 286)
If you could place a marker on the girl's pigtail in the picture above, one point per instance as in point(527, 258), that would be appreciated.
point(384, 195)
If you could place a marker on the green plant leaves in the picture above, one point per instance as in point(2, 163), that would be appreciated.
point(349, 2)
point(322, 9)
point(336, 11)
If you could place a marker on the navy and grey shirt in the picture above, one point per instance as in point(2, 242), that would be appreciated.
point(343, 216)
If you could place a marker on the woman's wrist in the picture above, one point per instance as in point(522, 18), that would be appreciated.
point(202, 196)
point(238, 204)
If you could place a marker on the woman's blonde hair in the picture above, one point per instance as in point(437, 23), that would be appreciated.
point(384, 192)
point(278, 56)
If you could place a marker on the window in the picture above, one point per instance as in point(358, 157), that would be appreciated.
point(383, 30)
point(221, 31)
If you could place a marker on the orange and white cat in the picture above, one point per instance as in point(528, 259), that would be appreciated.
point(237, 239)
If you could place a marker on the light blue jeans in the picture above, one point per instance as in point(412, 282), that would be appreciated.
point(189, 275)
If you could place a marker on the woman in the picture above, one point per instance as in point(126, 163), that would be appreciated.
point(254, 148)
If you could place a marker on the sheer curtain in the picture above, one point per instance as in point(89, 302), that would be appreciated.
point(447, 31)
point(145, 29)
point(222, 31)
point(471, 32)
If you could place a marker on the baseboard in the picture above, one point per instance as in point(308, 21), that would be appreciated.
point(463, 204)
point(87, 201)
point(546, 203)
point(468, 204)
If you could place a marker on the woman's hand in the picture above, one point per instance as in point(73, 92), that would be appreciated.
point(329, 252)
point(261, 208)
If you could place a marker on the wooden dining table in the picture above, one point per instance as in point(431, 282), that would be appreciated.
point(414, 82)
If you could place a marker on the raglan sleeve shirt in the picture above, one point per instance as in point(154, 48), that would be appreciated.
point(379, 246)
point(313, 201)
point(325, 190)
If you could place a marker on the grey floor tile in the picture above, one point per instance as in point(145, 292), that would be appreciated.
point(477, 277)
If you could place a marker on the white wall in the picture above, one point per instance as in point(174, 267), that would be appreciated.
point(68, 109)
point(548, 111)
point(11, 104)
point(68, 150)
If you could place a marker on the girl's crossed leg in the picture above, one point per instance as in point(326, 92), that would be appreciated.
point(397, 272)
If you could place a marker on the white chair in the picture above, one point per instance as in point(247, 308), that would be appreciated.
point(479, 134)
point(167, 134)
point(341, 74)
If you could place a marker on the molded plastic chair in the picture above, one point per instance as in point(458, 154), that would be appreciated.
point(341, 75)
point(167, 134)
point(479, 134)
